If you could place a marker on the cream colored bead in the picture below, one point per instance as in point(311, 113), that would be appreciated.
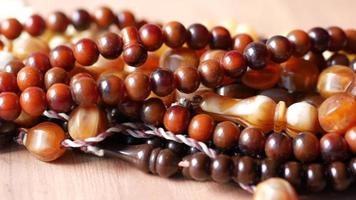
point(25, 45)
point(275, 189)
point(5, 57)
point(301, 117)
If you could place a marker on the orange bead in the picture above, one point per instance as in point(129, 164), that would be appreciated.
point(264, 78)
point(201, 127)
point(33, 101)
point(176, 119)
point(28, 77)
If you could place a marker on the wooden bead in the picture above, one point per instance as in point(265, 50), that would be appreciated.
point(315, 177)
point(104, 17)
point(306, 147)
point(221, 169)
point(211, 73)
point(55, 75)
point(278, 147)
point(176, 119)
point(351, 40)
point(35, 25)
point(245, 170)
point(11, 28)
point(137, 85)
point(333, 147)
point(85, 91)
point(110, 45)
point(234, 64)
point(220, 38)
point(33, 101)
point(125, 18)
point(63, 57)
point(350, 138)
point(8, 82)
point(320, 39)
point(10, 107)
point(162, 82)
point(187, 79)
point(13, 67)
point(135, 54)
point(252, 141)
point(240, 41)
point(112, 89)
point(81, 19)
point(269, 168)
point(339, 175)
point(151, 37)
point(198, 168)
point(44, 141)
point(38, 60)
point(153, 111)
point(86, 52)
point(201, 127)
point(338, 38)
point(226, 135)
point(280, 48)
point(316, 58)
point(198, 36)
point(29, 77)
point(338, 59)
point(256, 55)
point(58, 22)
point(274, 189)
point(300, 41)
point(85, 122)
point(174, 34)
point(212, 54)
point(292, 172)
point(166, 163)
point(59, 97)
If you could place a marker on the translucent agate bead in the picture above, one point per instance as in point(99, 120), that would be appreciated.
point(172, 59)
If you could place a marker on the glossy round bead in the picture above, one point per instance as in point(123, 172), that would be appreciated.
point(137, 85)
point(134, 54)
point(211, 73)
point(38, 60)
point(10, 107)
point(33, 101)
point(58, 22)
point(104, 17)
point(338, 38)
point(178, 148)
point(338, 59)
point(112, 89)
point(187, 79)
point(220, 38)
point(152, 111)
point(125, 18)
point(151, 36)
point(278, 147)
point(269, 168)
point(245, 170)
point(280, 48)
point(199, 167)
point(306, 147)
point(11, 28)
point(84, 91)
point(201, 127)
point(13, 66)
point(110, 45)
point(174, 34)
point(316, 58)
point(162, 82)
point(256, 55)
point(238, 91)
point(233, 63)
point(221, 169)
point(28, 77)
point(315, 177)
point(350, 138)
point(300, 41)
point(240, 41)
point(81, 19)
point(292, 172)
point(252, 141)
point(8, 82)
point(44, 141)
point(226, 135)
point(333, 147)
point(55, 75)
point(63, 57)
point(275, 189)
point(59, 97)
point(176, 119)
point(351, 40)
point(339, 175)
point(131, 109)
point(198, 36)
point(35, 25)
point(320, 39)
point(86, 52)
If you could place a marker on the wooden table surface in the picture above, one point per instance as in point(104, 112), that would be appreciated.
point(81, 176)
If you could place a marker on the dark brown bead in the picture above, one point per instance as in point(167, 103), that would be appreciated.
point(7, 82)
point(110, 45)
point(125, 18)
point(86, 52)
point(279, 94)
point(240, 41)
point(151, 36)
point(104, 17)
point(278, 147)
point(166, 163)
point(226, 135)
point(8, 130)
point(238, 91)
point(152, 111)
point(176, 119)
point(84, 91)
point(11, 28)
point(221, 169)
point(198, 36)
point(55, 75)
point(29, 76)
point(35, 25)
point(211, 73)
point(352, 167)
point(280, 47)
point(338, 38)
point(58, 22)
point(63, 57)
point(339, 176)
point(353, 65)
point(33, 101)
point(59, 97)
point(320, 39)
point(351, 40)
point(162, 82)
point(112, 89)
point(174, 34)
point(135, 54)
point(252, 141)
point(245, 170)
point(10, 107)
point(130, 109)
point(178, 148)
point(317, 59)
point(137, 85)
point(199, 167)
point(338, 59)
point(306, 147)
point(256, 55)
point(201, 127)
point(315, 177)
point(333, 147)
point(220, 38)
point(14, 66)
point(292, 172)
point(38, 60)
point(154, 142)
point(300, 41)
point(234, 64)
point(81, 19)
point(187, 79)
point(269, 168)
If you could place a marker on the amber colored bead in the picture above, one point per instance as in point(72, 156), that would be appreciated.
point(11, 28)
point(174, 34)
point(84, 91)
point(234, 64)
point(29, 76)
point(10, 107)
point(35, 25)
point(274, 189)
point(262, 79)
point(338, 38)
point(339, 176)
point(211, 73)
point(279, 94)
point(103, 17)
point(86, 52)
point(237, 91)
point(245, 170)
point(187, 79)
point(134, 54)
point(337, 113)
point(350, 138)
point(252, 141)
point(320, 39)
point(137, 85)
point(58, 22)
point(55, 75)
point(300, 41)
point(316, 58)
point(174, 58)
point(315, 177)
point(240, 41)
point(151, 36)
point(13, 66)
point(333, 147)
point(110, 45)
point(199, 167)
point(38, 60)
point(44, 141)
point(226, 135)
point(201, 127)
point(280, 48)
point(112, 89)
point(33, 101)
point(63, 57)
point(176, 119)
point(338, 59)
point(198, 36)
point(162, 82)
point(59, 97)
point(81, 19)
point(292, 172)
point(7, 82)
point(278, 147)
point(306, 147)
point(221, 169)
point(256, 55)
point(152, 111)
point(125, 18)
point(220, 38)
point(351, 40)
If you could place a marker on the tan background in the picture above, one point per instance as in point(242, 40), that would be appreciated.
point(79, 176)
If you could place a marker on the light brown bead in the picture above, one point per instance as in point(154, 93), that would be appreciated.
point(201, 127)
point(137, 85)
point(275, 189)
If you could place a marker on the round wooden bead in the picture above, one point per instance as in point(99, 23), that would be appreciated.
point(320, 39)
point(152, 111)
point(278, 147)
point(333, 147)
point(8, 82)
point(11, 28)
point(339, 175)
point(110, 45)
point(201, 127)
point(274, 189)
point(269, 168)
point(199, 167)
point(187, 79)
point(85, 91)
point(81, 19)
point(220, 38)
point(234, 64)
point(256, 55)
point(59, 97)
point(134, 54)
point(252, 141)
point(14, 66)
point(104, 17)
point(138, 86)
point(58, 22)
point(300, 41)
point(162, 82)
point(86, 52)
point(166, 163)
point(240, 41)
point(351, 40)
point(131, 109)
point(33, 101)
point(62, 57)
point(174, 34)
point(315, 177)
point(338, 39)
point(176, 119)
point(198, 36)
point(221, 169)
point(306, 147)
point(316, 58)
point(226, 135)
point(125, 18)
point(35, 25)
point(112, 89)
point(29, 77)
point(55, 75)
point(245, 170)
point(211, 73)
point(280, 48)
point(38, 60)
point(10, 107)
point(350, 138)
point(292, 172)
point(151, 36)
